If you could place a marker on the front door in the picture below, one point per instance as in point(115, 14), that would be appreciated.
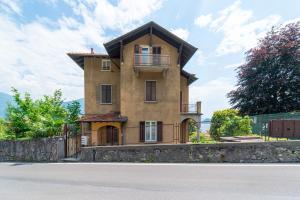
point(112, 136)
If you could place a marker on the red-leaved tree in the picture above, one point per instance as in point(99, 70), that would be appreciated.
point(269, 81)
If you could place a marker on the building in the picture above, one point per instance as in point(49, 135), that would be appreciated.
point(138, 93)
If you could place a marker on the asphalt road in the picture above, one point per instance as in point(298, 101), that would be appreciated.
point(148, 181)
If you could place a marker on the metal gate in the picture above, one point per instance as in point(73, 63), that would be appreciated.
point(284, 128)
point(72, 142)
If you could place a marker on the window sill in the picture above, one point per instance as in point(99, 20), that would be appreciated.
point(150, 142)
point(102, 70)
point(105, 103)
point(150, 101)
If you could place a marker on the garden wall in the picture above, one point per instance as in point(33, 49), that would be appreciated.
point(37, 150)
point(261, 152)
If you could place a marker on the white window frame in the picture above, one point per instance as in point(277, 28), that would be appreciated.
point(145, 93)
point(152, 129)
point(102, 65)
point(111, 92)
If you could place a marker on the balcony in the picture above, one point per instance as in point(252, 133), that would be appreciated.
point(191, 111)
point(188, 108)
point(151, 63)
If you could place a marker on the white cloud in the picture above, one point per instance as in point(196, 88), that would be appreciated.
point(212, 95)
point(124, 16)
point(203, 20)
point(233, 66)
point(10, 6)
point(181, 32)
point(33, 54)
point(239, 28)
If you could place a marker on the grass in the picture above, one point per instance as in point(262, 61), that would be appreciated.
point(269, 138)
point(204, 138)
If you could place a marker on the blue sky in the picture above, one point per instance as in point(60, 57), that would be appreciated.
point(36, 34)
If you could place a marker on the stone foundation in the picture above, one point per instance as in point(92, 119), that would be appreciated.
point(37, 150)
point(261, 152)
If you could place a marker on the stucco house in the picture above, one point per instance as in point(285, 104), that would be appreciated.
point(138, 93)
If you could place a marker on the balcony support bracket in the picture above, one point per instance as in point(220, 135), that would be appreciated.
point(164, 72)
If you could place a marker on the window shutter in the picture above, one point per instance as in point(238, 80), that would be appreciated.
point(136, 48)
point(148, 89)
point(113, 94)
point(98, 93)
point(108, 94)
point(103, 94)
point(142, 131)
point(158, 50)
point(153, 91)
point(159, 131)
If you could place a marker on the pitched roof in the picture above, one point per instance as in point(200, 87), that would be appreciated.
point(109, 117)
point(79, 57)
point(113, 47)
point(190, 77)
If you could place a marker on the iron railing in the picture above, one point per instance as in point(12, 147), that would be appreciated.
point(151, 60)
point(188, 108)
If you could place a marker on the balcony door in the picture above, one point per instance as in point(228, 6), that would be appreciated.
point(145, 51)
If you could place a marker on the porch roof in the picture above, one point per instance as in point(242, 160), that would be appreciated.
point(109, 117)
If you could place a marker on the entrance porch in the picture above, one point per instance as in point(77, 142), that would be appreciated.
point(103, 129)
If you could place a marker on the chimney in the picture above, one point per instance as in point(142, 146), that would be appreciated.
point(92, 51)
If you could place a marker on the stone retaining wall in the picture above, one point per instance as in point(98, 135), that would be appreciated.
point(261, 152)
point(37, 150)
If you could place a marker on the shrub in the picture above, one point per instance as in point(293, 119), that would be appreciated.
point(228, 123)
point(4, 133)
point(39, 118)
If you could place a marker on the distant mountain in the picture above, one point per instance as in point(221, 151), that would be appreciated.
point(206, 120)
point(81, 101)
point(6, 98)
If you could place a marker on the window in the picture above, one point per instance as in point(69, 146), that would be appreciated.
point(105, 66)
point(156, 50)
point(106, 97)
point(150, 91)
point(150, 131)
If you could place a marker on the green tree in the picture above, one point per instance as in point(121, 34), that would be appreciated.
point(228, 123)
point(269, 81)
point(40, 118)
point(20, 114)
point(50, 116)
point(73, 112)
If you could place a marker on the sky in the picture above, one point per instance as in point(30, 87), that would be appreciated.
point(35, 36)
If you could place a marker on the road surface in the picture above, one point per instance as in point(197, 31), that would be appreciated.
point(148, 181)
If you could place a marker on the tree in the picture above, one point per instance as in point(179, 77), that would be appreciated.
point(73, 111)
point(40, 118)
point(228, 123)
point(269, 81)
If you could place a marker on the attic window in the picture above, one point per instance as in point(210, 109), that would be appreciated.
point(105, 65)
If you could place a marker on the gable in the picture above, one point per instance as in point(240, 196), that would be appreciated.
point(186, 49)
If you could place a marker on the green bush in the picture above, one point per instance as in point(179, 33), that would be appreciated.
point(228, 123)
point(4, 133)
point(204, 138)
point(39, 118)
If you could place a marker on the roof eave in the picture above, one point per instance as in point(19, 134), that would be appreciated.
point(188, 48)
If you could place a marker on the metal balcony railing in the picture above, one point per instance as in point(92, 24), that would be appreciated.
point(188, 108)
point(151, 60)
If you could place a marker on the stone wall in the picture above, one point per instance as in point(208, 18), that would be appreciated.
point(262, 152)
point(37, 150)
